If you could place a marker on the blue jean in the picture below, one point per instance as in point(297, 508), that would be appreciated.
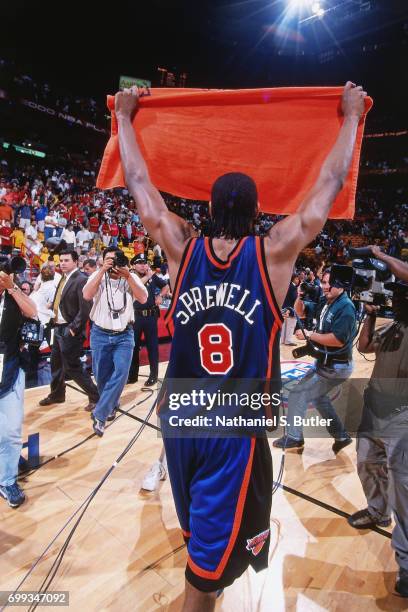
point(11, 421)
point(111, 358)
point(314, 387)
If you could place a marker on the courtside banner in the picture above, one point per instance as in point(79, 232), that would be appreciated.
point(279, 136)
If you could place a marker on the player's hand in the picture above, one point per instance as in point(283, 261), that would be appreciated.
point(107, 264)
point(353, 100)
point(127, 103)
point(370, 309)
point(299, 335)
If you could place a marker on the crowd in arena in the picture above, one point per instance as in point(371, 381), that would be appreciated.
point(45, 203)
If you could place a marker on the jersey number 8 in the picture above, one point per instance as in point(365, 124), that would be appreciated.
point(215, 340)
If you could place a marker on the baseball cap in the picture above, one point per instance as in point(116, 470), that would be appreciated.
point(140, 258)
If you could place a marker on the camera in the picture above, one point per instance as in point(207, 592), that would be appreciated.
point(370, 274)
point(120, 260)
point(32, 333)
point(308, 290)
point(15, 265)
point(306, 349)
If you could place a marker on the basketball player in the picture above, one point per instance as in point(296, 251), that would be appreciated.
point(222, 486)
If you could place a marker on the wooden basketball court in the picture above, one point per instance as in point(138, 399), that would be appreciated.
point(128, 553)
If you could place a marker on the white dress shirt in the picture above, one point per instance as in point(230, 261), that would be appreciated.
point(115, 290)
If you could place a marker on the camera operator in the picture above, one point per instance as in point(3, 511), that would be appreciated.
point(113, 288)
point(382, 444)
point(14, 306)
point(336, 326)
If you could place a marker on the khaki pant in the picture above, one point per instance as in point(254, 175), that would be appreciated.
point(382, 464)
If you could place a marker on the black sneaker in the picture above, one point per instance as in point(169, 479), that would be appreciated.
point(112, 415)
point(98, 426)
point(288, 442)
point(339, 444)
point(401, 586)
point(48, 401)
point(364, 520)
point(152, 380)
point(13, 495)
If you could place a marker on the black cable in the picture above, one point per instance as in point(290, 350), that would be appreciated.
point(25, 474)
point(58, 560)
point(322, 504)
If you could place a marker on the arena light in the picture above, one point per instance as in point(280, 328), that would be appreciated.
point(317, 9)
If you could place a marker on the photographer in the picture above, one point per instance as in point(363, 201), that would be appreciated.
point(336, 326)
point(113, 288)
point(14, 305)
point(382, 445)
point(309, 296)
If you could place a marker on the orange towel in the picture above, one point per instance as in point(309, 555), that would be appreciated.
point(280, 137)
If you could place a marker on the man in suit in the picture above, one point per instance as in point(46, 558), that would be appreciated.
point(71, 313)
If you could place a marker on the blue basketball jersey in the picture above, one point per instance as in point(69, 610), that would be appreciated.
point(224, 317)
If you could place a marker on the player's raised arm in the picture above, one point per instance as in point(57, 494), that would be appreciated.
point(166, 228)
point(291, 235)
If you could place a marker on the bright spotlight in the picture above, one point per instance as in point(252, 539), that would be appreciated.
point(317, 9)
point(299, 3)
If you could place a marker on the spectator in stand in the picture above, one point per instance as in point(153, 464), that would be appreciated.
point(83, 239)
point(68, 235)
point(106, 233)
point(138, 246)
point(114, 232)
point(94, 226)
point(32, 244)
point(50, 225)
point(6, 232)
point(6, 212)
point(25, 216)
point(40, 213)
point(62, 221)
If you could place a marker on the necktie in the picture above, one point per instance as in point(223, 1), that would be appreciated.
point(58, 294)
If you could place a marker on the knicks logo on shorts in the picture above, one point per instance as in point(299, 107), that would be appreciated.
point(255, 544)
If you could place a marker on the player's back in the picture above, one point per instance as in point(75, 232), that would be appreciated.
point(224, 317)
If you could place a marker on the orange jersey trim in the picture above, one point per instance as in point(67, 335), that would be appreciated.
point(234, 253)
point(179, 280)
point(216, 574)
point(266, 283)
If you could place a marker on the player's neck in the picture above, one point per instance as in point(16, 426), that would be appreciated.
point(223, 247)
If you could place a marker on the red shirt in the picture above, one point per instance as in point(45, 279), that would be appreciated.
point(138, 247)
point(6, 213)
point(93, 224)
point(5, 233)
point(106, 229)
point(114, 230)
